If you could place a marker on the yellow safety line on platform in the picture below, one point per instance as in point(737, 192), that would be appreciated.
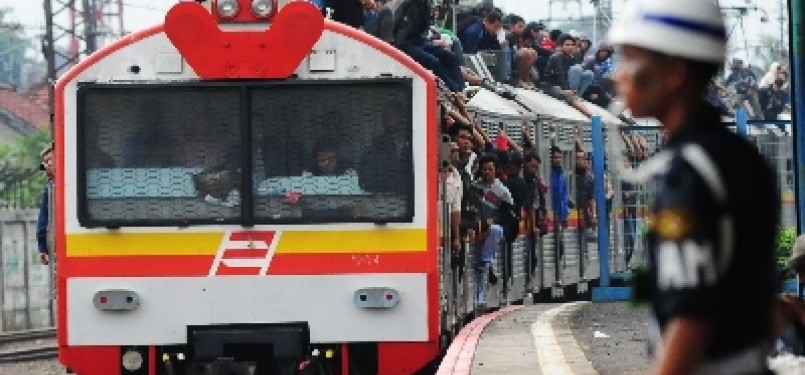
point(551, 358)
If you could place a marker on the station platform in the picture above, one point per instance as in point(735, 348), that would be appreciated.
point(548, 338)
point(531, 339)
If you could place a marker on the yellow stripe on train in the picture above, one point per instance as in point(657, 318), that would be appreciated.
point(208, 243)
point(370, 241)
point(128, 244)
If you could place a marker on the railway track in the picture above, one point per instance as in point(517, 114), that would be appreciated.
point(32, 352)
point(9, 337)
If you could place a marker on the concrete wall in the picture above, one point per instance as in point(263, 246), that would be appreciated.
point(25, 284)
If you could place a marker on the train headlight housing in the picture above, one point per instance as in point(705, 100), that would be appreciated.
point(262, 8)
point(227, 8)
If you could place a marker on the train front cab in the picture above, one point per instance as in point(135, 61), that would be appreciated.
point(185, 248)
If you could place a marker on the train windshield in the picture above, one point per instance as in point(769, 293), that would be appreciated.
point(249, 153)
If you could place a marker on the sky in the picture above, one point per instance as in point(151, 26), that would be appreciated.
point(139, 14)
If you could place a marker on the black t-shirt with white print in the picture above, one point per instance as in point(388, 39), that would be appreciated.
point(711, 236)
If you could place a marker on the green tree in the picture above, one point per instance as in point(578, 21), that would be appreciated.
point(14, 48)
point(21, 182)
point(785, 244)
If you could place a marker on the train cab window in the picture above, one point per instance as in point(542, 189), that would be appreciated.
point(245, 152)
point(159, 155)
point(343, 156)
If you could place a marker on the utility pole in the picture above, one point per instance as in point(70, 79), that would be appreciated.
point(603, 18)
point(564, 5)
point(90, 25)
point(783, 21)
point(797, 48)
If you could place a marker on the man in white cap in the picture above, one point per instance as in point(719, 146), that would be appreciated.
point(711, 280)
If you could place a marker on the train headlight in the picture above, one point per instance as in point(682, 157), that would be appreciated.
point(132, 360)
point(227, 8)
point(262, 8)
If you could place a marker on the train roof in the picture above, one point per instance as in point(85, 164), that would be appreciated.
point(492, 104)
point(606, 116)
point(544, 105)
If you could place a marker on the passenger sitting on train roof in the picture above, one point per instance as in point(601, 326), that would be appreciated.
point(602, 89)
point(382, 26)
point(349, 12)
point(556, 75)
point(482, 35)
point(773, 99)
point(521, 41)
point(411, 23)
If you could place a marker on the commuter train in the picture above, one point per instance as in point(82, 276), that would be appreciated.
point(250, 188)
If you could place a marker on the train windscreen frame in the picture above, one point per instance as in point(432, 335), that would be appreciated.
point(276, 152)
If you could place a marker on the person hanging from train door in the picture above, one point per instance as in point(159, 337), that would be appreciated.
point(560, 201)
point(495, 204)
point(585, 198)
point(535, 205)
point(711, 225)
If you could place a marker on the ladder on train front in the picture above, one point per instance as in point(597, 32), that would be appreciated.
point(246, 253)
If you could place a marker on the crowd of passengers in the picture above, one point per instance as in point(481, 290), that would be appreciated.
point(495, 186)
point(501, 181)
point(562, 64)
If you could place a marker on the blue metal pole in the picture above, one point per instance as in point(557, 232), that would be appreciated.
point(600, 200)
point(740, 122)
point(797, 47)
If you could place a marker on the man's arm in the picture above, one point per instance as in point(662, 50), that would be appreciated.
point(561, 72)
point(684, 345)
